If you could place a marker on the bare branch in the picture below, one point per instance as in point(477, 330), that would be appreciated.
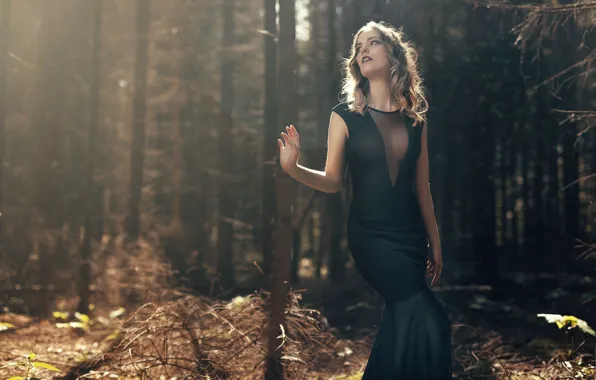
point(553, 8)
point(543, 19)
point(588, 118)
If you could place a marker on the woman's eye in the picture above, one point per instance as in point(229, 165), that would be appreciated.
point(375, 41)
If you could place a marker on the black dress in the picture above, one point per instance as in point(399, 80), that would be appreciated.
point(388, 242)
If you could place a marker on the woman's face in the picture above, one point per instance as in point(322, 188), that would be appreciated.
point(372, 56)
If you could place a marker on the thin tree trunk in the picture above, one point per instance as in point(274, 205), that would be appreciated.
point(90, 189)
point(483, 208)
point(270, 133)
point(503, 189)
point(318, 70)
point(285, 192)
point(4, 43)
point(549, 129)
point(512, 168)
point(225, 258)
point(133, 223)
point(176, 159)
point(571, 172)
point(296, 251)
point(49, 166)
point(50, 79)
point(528, 207)
point(538, 167)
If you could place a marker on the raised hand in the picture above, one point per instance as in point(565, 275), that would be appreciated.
point(289, 149)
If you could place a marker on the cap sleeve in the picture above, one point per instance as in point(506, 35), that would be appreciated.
point(344, 112)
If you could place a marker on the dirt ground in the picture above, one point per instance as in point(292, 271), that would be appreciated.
point(494, 336)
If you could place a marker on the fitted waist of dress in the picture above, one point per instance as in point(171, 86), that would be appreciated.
point(388, 223)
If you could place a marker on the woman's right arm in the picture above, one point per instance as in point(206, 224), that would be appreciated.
point(331, 179)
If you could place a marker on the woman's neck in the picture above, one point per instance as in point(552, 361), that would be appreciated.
point(379, 96)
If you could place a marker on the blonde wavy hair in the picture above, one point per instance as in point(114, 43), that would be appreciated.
point(406, 84)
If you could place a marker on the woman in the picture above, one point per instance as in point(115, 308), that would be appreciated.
point(380, 134)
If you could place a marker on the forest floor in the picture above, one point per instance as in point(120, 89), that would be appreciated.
point(493, 337)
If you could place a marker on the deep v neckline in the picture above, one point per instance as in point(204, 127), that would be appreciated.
point(406, 120)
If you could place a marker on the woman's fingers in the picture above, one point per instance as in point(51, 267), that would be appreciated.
point(286, 138)
point(293, 130)
point(429, 268)
point(293, 133)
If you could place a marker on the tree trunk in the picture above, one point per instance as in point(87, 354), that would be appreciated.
point(50, 80)
point(503, 189)
point(285, 191)
point(49, 166)
point(318, 70)
point(133, 223)
point(571, 200)
point(176, 159)
point(512, 168)
point(90, 197)
point(270, 132)
point(483, 172)
point(225, 259)
point(296, 250)
point(4, 43)
point(538, 168)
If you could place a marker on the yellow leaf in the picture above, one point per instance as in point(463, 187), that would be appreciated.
point(31, 356)
point(60, 315)
point(564, 320)
point(6, 326)
point(573, 321)
point(82, 317)
point(117, 313)
point(79, 325)
point(74, 325)
point(46, 366)
point(16, 378)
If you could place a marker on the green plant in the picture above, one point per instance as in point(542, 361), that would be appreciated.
point(30, 365)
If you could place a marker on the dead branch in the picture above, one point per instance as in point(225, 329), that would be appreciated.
point(542, 19)
point(193, 337)
point(588, 118)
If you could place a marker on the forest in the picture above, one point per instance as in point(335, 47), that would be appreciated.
point(147, 230)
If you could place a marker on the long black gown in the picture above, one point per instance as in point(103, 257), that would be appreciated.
point(388, 242)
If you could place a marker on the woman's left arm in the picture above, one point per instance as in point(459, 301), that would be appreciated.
point(424, 195)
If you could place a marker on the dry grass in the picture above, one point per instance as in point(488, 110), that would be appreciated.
point(171, 335)
point(194, 338)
